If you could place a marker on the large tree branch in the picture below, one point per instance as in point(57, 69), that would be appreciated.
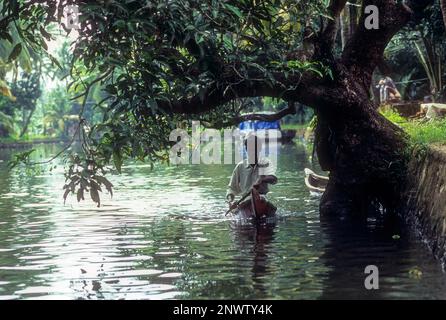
point(301, 88)
point(365, 49)
point(443, 11)
point(360, 57)
point(328, 36)
point(290, 109)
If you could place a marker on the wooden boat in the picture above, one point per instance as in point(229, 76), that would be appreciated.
point(314, 182)
point(258, 208)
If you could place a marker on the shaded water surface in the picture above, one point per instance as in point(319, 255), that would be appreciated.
point(164, 236)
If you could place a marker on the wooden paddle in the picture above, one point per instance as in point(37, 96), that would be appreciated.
point(237, 203)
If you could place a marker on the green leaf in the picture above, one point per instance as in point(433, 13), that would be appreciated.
point(22, 157)
point(7, 36)
point(94, 194)
point(234, 10)
point(65, 195)
point(54, 60)
point(108, 185)
point(94, 185)
point(15, 52)
point(44, 45)
point(80, 194)
point(45, 33)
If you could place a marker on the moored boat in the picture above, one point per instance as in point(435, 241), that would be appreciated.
point(314, 182)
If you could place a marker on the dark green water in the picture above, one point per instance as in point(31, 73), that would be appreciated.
point(164, 236)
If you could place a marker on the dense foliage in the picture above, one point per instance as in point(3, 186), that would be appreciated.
point(416, 56)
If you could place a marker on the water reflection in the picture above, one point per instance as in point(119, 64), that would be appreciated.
point(386, 243)
point(256, 238)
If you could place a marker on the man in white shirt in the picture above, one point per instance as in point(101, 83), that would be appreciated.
point(253, 172)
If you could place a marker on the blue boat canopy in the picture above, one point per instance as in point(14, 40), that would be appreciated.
point(259, 125)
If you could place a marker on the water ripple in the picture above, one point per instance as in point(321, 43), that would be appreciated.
point(164, 236)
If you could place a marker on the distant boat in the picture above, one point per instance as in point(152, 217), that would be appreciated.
point(314, 182)
point(268, 130)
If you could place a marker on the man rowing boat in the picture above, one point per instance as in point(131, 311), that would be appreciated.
point(250, 179)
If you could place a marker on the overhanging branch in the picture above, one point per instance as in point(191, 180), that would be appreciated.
point(365, 49)
point(299, 87)
point(267, 117)
point(290, 109)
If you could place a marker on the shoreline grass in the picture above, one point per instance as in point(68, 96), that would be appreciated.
point(421, 132)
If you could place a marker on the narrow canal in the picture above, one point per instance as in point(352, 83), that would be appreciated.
point(164, 236)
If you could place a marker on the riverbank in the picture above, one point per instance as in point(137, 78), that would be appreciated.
point(425, 205)
point(11, 143)
point(425, 196)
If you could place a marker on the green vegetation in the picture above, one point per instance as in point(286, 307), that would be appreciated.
point(420, 131)
point(294, 126)
point(133, 71)
point(28, 139)
point(416, 58)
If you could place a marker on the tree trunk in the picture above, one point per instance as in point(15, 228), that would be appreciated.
point(27, 121)
point(353, 17)
point(443, 11)
point(342, 29)
point(364, 152)
point(345, 26)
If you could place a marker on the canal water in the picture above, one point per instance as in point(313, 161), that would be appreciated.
point(164, 236)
